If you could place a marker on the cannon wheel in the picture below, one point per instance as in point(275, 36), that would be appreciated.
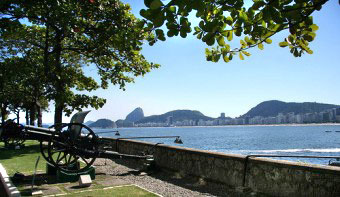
point(44, 145)
point(15, 135)
point(13, 142)
point(64, 149)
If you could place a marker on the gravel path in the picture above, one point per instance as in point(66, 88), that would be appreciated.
point(162, 183)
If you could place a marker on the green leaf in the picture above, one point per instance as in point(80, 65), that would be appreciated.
point(229, 20)
point(238, 31)
point(147, 3)
point(260, 46)
point(226, 58)
point(309, 51)
point(220, 41)
point(160, 34)
point(230, 35)
point(268, 41)
point(216, 57)
point(258, 4)
point(275, 14)
point(155, 4)
point(170, 33)
point(207, 52)
point(207, 37)
point(230, 56)
point(241, 56)
point(246, 53)
point(183, 33)
point(308, 38)
point(296, 53)
point(211, 41)
point(291, 38)
point(172, 9)
point(159, 21)
point(225, 33)
point(266, 14)
point(227, 47)
point(283, 44)
point(199, 35)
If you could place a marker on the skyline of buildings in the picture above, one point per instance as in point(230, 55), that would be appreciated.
point(327, 116)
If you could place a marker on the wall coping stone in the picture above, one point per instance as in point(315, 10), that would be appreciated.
point(10, 188)
point(297, 165)
point(279, 163)
point(192, 150)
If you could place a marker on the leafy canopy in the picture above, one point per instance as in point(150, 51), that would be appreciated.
point(223, 20)
point(67, 35)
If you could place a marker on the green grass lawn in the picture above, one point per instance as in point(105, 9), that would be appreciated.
point(22, 160)
point(116, 191)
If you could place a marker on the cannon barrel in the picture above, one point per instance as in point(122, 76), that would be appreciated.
point(39, 129)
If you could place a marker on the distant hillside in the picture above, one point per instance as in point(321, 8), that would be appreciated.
point(178, 115)
point(135, 115)
point(103, 123)
point(124, 123)
point(87, 123)
point(272, 108)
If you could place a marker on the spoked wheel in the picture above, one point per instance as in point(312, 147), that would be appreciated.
point(13, 142)
point(12, 134)
point(44, 151)
point(44, 144)
point(71, 143)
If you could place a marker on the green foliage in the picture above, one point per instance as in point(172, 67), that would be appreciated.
point(221, 21)
point(65, 36)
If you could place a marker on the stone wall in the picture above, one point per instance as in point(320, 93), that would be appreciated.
point(272, 177)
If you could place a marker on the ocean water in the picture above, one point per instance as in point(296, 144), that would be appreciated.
point(245, 140)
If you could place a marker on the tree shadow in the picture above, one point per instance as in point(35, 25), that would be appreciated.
point(7, 153)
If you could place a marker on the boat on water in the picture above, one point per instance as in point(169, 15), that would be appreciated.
point(328, 131)
point(337, 131)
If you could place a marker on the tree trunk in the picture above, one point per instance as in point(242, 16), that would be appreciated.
point(27, 117)
point(39, 116)
point(3, 112)
point(60, 89)
point(32, 115)
point(18, 116)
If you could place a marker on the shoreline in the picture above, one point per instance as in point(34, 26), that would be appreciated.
point(248, 125)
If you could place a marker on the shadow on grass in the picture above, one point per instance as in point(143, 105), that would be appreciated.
point(24, 184)
point(10, 153)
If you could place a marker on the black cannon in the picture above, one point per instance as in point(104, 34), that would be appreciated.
point(63, 145)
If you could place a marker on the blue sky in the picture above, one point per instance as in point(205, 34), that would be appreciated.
point(186, 80)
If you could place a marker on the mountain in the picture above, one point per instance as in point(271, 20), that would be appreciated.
point(135, 115)
point(177, 115)
point(272, 108)
point(87, 123)
point(103, 123)
point(124, 123)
